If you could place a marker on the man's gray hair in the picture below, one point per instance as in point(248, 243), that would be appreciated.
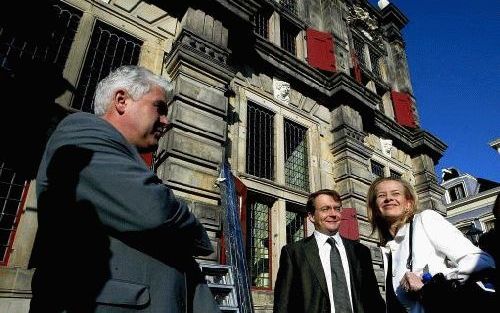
point(136, 80)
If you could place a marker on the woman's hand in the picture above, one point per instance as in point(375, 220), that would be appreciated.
point(411, 282)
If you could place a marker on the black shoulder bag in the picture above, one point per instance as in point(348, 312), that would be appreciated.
point(449, 295)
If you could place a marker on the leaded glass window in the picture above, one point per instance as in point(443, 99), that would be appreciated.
point(296, 162)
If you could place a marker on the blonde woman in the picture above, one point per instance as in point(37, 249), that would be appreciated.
point(392, 208)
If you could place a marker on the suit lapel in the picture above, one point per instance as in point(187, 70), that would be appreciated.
point(354, 275)
point(311, 252)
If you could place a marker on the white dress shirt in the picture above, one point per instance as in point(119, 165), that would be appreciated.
point(324, 254)
point(434, 240)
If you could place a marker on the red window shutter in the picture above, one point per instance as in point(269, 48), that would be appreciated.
point(403, 109)
point(241, 192)
point(349, 226)
point(320, 50)
point(148, 158)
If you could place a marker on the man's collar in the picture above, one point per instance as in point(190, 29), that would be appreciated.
point(322, 238)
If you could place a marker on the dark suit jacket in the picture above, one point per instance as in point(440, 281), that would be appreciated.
point(301, 284)
point(112, 237)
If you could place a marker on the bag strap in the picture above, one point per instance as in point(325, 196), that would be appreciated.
point(409, 261)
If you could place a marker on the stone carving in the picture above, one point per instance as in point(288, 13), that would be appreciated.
point(281, 90)
point(386, 146)
point(192, 42)
point(361, 19)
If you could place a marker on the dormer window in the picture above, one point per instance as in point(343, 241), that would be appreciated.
point(456, 192)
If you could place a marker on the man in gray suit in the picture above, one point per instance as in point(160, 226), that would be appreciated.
point(112, 237)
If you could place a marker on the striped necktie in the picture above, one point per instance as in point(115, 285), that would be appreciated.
point(339, 282)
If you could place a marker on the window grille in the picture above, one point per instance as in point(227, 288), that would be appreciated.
point(12, 187)
point(289, 5)
point(296, 164)
point(377, 169)
point(288, 34)
point(260, 141)
point(456, 192)
point(13, 49)
point(395, 175)
point(258, 244)
point(375, 60)
point(359, 47)
point(295, 223)
point(109, 48)
point(261, 21)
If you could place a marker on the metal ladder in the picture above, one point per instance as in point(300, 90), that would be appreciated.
point(220, 280)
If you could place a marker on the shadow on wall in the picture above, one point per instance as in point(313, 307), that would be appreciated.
point(29, 84)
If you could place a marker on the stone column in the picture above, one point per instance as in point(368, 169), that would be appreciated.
point(351, 159)
point(195, 146)
point(400, 68)
point(428, 190)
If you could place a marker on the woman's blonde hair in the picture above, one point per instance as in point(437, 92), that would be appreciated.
point(376, 220)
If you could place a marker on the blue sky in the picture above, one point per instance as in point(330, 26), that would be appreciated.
point(454, 59)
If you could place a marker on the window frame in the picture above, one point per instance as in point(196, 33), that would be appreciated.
point(463, 189)
point(395, 174)
point(299, 210)
point(306, 154)
point(87, 81)
point(292, 31)
point(251, 199)
point(375, 163)
point(271, 154)
point(4, 259)
point(264, 15)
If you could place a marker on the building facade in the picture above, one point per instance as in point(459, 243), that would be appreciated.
point(469, 202)
point(296, 95)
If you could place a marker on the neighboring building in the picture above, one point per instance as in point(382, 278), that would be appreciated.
point(469, 202)
point(297, 95)
point(495, 144)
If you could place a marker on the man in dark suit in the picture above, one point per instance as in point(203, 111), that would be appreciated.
point(324, 272)
point(112, 237)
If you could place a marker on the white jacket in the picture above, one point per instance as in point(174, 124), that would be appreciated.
point(437, 244)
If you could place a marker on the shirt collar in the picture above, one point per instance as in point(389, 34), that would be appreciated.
point(402, 232)
point(322, 238)
point(400, 235)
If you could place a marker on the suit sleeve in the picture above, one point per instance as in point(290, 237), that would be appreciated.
point(283, 283)
point(131, 202)
point(372, 300)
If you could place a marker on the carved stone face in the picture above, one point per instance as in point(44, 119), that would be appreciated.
point(386, 146)
point(281, 90)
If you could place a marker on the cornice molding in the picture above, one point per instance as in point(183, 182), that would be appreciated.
point(391, 14)
point(338, 85)
point(342, 88)
point(190, 48)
